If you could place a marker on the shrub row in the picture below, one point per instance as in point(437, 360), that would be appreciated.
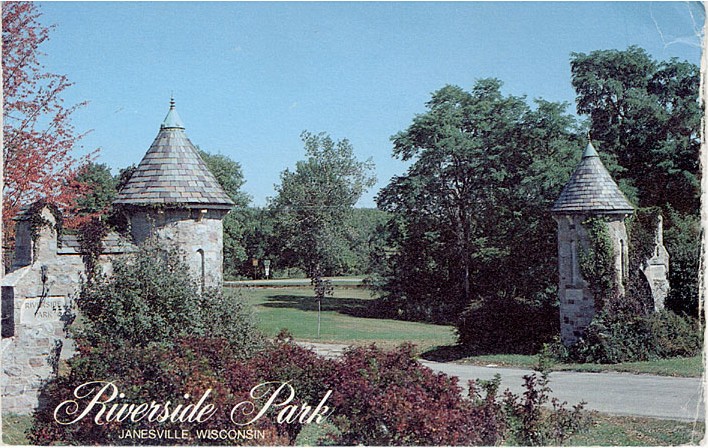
point(622, 337)
point(379, 398)
point(156, 337)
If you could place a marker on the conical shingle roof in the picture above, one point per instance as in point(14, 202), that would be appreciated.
point(591, 189)
point(172, 173)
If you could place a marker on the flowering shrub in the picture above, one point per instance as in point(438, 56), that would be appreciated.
point(158, 372)
point(530, 424)
point(377, 397)
point(391, 399)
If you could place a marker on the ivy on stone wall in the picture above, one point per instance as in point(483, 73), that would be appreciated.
point(641, 232)
point(641, 229)
point(597, 264)
point(91, 235)
point(33, 214)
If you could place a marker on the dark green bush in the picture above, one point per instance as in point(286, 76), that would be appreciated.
point(682, 239)
point(673, 335)
point(622, 337)
point(151, 297)
point(502, 325)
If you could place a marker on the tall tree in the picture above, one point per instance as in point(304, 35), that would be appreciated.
point(470, 217)
point(101, 189)
point(314, 201)
point(229, 174)
point(646, 114)
point(38, 135)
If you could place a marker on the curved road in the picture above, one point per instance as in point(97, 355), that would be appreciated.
point(612, 393)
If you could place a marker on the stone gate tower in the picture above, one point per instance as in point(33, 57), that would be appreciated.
point(173, 195)
point(590, 192)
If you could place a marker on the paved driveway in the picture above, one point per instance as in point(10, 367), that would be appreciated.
point(613, 393)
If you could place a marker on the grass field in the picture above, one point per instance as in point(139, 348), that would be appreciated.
point(342, 319)
point(685, 367)
point(13, 429)
point(635, 431)
point(606, 431)
point(343, 322)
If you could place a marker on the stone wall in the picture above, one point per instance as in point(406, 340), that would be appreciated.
point(39, 293)
point(37, 299)
point(199, 233)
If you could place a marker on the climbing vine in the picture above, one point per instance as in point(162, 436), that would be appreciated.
point(597, 264)
point(33, 214)
point(91, 235)
point(641, 229)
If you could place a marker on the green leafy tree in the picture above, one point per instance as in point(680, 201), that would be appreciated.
point(259, 241)
point(124, 176)
point(647, 115)
point(682, 241)
point(102, 189)
point(314, 202)
point(470, 217)
point(229, 174)
point(365, 238)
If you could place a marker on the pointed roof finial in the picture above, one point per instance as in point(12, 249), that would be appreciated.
point(172, 120)
point(591, 189)
point(590, 151)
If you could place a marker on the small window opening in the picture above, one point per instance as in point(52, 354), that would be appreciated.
point(202, 269)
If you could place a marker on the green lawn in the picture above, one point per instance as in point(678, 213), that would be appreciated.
point(636, 431)
point(686, 367)
point(14, 427)
point(345, 318)
point(605, 431)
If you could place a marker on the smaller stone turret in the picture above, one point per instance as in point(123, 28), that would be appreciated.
point(590, 192)
point(173, 195)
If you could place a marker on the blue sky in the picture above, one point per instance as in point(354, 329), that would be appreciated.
point(248, 78)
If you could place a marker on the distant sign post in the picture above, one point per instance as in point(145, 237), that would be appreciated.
point(266, 265)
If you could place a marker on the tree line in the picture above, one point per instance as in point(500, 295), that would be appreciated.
point(466, 226)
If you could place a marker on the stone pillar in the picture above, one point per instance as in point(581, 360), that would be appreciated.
point(656, 268)
point(577, 303)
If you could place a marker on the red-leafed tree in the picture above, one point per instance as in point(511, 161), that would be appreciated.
point(38, 135)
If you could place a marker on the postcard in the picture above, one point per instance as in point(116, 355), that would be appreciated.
point(352, 223)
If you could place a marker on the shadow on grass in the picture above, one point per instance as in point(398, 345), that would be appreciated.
point(447, 353)
point(349, 306)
